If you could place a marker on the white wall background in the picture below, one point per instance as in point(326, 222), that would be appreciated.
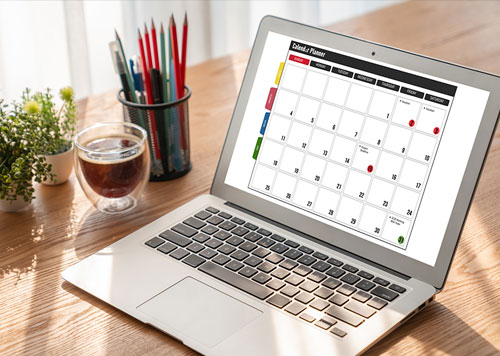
point(58, 43)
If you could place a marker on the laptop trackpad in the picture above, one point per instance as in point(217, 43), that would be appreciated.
point(199, 311)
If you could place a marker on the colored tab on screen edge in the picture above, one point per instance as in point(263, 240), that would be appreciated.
point(257, 148)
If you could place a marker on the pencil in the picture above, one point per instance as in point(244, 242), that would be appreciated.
point(173, 97)
point(184, 49)
point(155, 45)
point(148, 48)
point(168, 128)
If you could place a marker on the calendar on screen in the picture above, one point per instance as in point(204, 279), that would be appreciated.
point(349, 141)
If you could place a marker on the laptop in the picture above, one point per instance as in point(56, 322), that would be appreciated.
point(338, 201)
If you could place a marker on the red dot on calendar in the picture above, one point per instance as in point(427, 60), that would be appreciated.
point(411, 123)
point(370, 168)
point(436, 130)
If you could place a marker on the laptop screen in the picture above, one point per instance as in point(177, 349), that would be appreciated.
point(376, 150)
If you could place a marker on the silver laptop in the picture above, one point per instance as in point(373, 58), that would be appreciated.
point(338, 201)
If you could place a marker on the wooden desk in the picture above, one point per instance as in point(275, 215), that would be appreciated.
point(39, 314)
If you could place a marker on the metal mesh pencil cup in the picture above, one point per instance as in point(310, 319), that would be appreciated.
point(167, 125)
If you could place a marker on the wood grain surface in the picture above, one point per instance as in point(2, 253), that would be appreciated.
point(42, 315)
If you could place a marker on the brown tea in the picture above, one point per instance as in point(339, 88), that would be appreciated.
point(110, 172)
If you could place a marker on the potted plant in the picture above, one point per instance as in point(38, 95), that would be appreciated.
point(21, 140)
point(58, 127)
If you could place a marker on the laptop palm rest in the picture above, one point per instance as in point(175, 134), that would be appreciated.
point(199, 312)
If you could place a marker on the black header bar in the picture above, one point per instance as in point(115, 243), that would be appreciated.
point(437, 99)
point(374, 68)
point(415, 93)
point(343, 72)
point(365, 78)
point(320, 66)
point(387, 85)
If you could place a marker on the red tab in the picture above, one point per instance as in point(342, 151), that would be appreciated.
point(270, 98)
point(299, 59)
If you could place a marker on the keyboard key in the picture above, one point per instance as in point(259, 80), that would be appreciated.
point(213, 243)
point(280, 273)
point(335, 272)
point(226, 249)
point(274, 258)
point(304, 297)
point(221, 259)
point(365, 285)
point(239, 255)
point(361, 296)
point(195, 247)
point(193, 222)
point(316, 276)
point(240, 231)
point(247, 272)
point(215, 220)
point(227, 225)
point(309, 286)
point(384, 293)
point(346, 289)
point(201, 238)
point(288, 264)
point(261, 252)
point(291, 243)
point(183, 230)
point(335, 262)
point(261, 278)
point(344, 315)
point(278, 238)
point(331, 283)
point(179, 254)
point(234, 240)
point(307, 260)
point(202, 215)
point(306, 249)
point(212, 210)
point(251, 226)
point(350, 268)
point(225, 215)
point(397, 288)
point(321, 266)
point(266, 267)
point(208, 253)
point(279, 248)
point(167, 247)
point(266, 242)
point(338, 299)
point(222, 235)
point(264, 232)
point(381, 281)
point(194, 260)
point(350, 278)
point(238, 221)
point(176, 238)
point(248, 246)
point(234, 265)
point(278, 301)
point(253, 261)
point(253, 236)
point(320, 256)
point(324, 293)
point(295, 308)
point(289, 291)
point(361, 309)
point(276, 284)
point(365, 275)
point(235, 280)
point(294, 280)
point(293, 254)
point(338, 332)
point(154, 242)
point(302, 270)
point(209, 229)
point(307, 317)
point(377, 303)
point(326, 322)
point(319, 304)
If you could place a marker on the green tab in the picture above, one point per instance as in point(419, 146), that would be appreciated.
point(257, 148)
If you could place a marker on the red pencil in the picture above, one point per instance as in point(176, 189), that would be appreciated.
point(148, 48)
point(179, 87)
point(184, 48)
point(155, 45)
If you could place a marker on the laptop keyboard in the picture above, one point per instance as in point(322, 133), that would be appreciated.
point(308, 284)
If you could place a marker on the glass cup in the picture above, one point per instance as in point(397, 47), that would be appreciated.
point(112, 165)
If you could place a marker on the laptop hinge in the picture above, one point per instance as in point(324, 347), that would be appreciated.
point(318, 241)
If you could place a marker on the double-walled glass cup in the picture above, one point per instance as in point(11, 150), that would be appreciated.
point(112, 164)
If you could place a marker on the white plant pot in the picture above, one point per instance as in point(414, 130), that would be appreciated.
point(14, 205)
point(62, 165)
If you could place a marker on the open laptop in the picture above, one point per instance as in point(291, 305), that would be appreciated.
point(339, 198)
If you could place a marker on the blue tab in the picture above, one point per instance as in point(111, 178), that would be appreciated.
point(264, 123)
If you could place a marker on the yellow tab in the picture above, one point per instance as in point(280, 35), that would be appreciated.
point(278, 76)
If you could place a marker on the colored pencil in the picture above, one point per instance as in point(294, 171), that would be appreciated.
point(168, 121)
point(175, 113)
point(148, 49)
point(184, 50)
point(155, 45)
point(175, 47)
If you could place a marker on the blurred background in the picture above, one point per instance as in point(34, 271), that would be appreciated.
point(58, 43)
